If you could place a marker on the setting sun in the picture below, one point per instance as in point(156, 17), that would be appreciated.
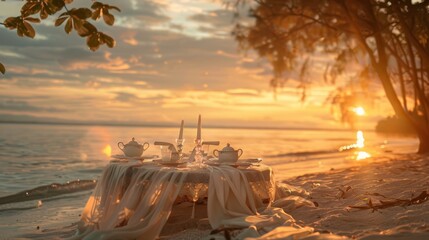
point(360, 111)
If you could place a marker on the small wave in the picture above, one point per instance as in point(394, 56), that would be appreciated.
point(17, 209)
point(303, 153)
point(48, 191)
point(91, 170)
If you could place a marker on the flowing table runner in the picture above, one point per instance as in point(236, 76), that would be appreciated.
point(233, 204)
point(134, 201)
point(130, 207)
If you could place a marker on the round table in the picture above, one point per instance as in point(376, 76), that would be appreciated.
point(196, 180)
point(137, 198)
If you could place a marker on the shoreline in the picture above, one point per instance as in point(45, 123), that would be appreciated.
point(402, 176)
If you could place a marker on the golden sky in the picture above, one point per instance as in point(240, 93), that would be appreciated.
point(173, 60)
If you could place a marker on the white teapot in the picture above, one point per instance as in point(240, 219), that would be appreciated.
point(228, 154)
point(133, 148)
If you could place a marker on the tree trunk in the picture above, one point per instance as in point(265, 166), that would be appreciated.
point(424, 142)
point(380, 66)
point(419, 125)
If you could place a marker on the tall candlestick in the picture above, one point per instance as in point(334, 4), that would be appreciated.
point(199, 128)
point(181, 131)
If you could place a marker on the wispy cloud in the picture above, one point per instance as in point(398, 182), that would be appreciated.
point(173, 59)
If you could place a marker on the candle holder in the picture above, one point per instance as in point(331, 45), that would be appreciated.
point(199, 154)
point(179, 144)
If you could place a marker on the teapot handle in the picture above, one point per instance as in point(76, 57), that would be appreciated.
point(241, 152)
point(214, 153)
point(147, 146)
point(119, 145)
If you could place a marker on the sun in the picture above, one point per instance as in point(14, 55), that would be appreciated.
point(359, 111)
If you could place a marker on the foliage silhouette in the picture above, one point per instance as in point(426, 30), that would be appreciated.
point(76, 19)
point(388, 39)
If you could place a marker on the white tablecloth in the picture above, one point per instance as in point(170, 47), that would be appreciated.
point(134, 201)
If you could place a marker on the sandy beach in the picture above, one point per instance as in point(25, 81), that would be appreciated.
point(385, 199)
point(380, 200)
point(340, 194)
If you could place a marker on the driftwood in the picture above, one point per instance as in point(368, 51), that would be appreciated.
point(423, 197)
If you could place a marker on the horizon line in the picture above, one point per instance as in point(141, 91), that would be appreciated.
point(168, 125)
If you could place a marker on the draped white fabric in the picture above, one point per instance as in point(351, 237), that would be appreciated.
point(137, 212)
point(230, 196)
point(135, 201)
point(232, 204)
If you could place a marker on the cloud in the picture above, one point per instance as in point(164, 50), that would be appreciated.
point(172, 59)
point(23, 106)
point(243, 92)
point(144, 57)
point(141, 14)
point(218, 23)
point(125, 97)
point(216, 18)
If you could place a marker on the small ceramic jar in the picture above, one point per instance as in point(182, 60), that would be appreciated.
point(133, 148)
point(228, 154)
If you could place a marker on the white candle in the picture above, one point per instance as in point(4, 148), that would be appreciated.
point(199, 128)
point(181, 131)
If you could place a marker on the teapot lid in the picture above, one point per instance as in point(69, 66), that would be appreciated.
point(228, 148)
point(132, 143)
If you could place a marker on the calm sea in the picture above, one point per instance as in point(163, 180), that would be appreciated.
point(34, 156)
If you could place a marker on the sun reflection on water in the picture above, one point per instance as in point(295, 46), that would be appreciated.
point(360, 154)
point(360, 140)
point(107, 150)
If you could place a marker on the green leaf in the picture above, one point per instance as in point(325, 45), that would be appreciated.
point(27, 5)
point(2, 69)
point(55, 5)
point(110, 42)
point(44, 14)
point(93, 42)
point(97, 5)
point(114, 7)
point(68, 26)
point(33, 20)
point(89, 27)
point(63, 14)
point(84, 28)
point(20, 30)
point(108, 18)
point(29, 30)
point(60, 21)
point(83, 13)
point(30, 8)
point(11, 22)
point(96, 14)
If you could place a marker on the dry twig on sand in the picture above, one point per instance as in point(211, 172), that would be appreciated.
point(423, 197)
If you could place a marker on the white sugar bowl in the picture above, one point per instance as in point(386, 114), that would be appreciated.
point(133, 148)
point(228, 154)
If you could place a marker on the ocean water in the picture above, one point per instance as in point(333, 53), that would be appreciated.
point(48, 171)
